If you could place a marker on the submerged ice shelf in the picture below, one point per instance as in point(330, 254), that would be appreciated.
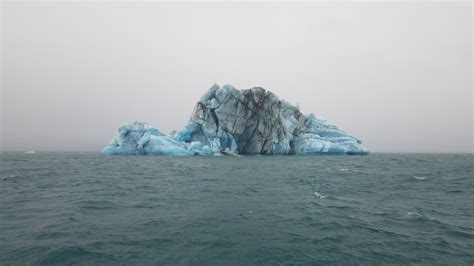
point(230, 121)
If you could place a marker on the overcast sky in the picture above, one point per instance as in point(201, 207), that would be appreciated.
point(396, 75)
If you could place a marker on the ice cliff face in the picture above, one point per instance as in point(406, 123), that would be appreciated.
point(231, 121)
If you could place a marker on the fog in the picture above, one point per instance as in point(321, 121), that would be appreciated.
point(398, 76)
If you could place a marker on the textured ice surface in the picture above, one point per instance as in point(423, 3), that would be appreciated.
point(231, 121)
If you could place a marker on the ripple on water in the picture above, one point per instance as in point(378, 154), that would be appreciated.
point(73, 254)
point(85, 209)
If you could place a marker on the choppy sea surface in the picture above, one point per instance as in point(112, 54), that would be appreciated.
point(88, 209)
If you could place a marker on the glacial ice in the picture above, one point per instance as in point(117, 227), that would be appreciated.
point(230, 121)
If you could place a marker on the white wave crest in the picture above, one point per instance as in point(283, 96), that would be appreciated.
point(319, 195)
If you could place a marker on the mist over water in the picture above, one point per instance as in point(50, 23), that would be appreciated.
point(396, 75)
point(83, 208)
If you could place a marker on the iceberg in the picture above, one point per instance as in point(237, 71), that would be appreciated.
point(230, 121)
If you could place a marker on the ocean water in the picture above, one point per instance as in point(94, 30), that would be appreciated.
point(87, 209)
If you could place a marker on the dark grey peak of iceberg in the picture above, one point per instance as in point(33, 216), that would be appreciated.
point(250, 121)
point(230, 121)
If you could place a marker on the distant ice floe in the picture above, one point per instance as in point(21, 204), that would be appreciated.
point(30, 152)
point(8, 177)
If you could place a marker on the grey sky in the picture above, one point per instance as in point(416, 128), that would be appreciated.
point(396, 75)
